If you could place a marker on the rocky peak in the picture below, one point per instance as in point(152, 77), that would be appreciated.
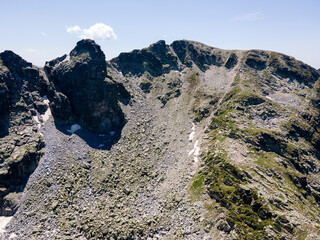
point(203, 56)
point(83, 93)
point(160, 58)
point(13, 61)
point(87, 46)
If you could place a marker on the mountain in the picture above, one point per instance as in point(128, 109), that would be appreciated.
point(180, 141)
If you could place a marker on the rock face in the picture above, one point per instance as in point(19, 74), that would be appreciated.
point(84, 93)
point(215, 144)
point(21, 90)
point(160, 58)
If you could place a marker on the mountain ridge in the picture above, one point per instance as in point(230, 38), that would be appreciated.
point(206, 144)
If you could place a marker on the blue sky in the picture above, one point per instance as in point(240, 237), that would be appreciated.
point(37, 30)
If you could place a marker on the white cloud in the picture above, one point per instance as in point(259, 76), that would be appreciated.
point(98, 31)
point(43, 34)
point(250, 17)
point(74, 30)
point(31, 50)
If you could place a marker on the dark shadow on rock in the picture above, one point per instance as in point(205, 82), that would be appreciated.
point(101, 141)
point(101, 122)
point(4, 119)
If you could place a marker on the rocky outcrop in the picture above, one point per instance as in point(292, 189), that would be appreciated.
point(22, 88)
point(157, 59)
point(84, 93)
point(160, 58)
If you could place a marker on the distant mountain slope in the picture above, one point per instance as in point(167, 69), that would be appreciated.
point(180, 141)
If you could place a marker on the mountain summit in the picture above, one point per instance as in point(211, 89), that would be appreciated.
point(179, 141)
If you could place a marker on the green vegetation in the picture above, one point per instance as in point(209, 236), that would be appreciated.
point(246, 212)
point(193, 79)
point(273, 56)
point(80, 56)
point(203, 104)
point(197, 187)
point(30, 148)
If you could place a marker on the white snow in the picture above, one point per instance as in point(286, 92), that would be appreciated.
point(36, 119)
point(101, 145)
point(112, 133)
point(269, 97)
point(45, 117)
point(3, 223)
point(193, 132)
point(74, 128)
point(191, 152)
point(47, 114)
point(196, 149)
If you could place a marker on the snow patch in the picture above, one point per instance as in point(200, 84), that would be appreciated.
point(191, 136)
point(74, 128)
point(196, 149)
point(269, 97)
point(111, 133)
point(3, 223)
point(191, 152)
point(47, 114)
point(44, 117)
point(36, 119)
point(101, 145)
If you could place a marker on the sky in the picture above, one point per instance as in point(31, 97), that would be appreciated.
point(40, 31)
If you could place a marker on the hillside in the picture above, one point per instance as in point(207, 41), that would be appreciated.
point(180, 141)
